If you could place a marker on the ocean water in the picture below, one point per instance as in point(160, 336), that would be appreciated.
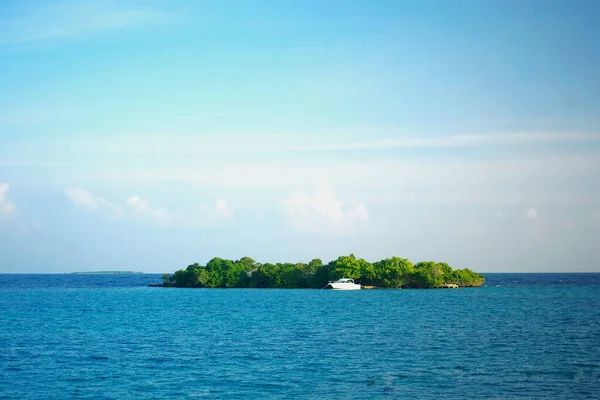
point(111, 337)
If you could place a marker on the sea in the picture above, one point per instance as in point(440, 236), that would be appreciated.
point(94, 336)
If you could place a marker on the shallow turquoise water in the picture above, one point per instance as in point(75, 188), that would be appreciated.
point(77, 336)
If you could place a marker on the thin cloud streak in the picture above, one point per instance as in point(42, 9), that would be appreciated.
point(68, 152)
point(61, 21)
point(515, 139)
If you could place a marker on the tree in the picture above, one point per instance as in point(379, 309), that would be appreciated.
point(345, 267)
point(393, 272)
point(246, 264)
point(313, 266)
point(320, 278)
point(466, 277)
point(428, 275)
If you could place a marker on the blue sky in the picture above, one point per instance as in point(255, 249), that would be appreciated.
point(146, 135)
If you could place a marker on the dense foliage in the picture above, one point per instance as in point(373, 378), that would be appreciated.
point(392, 272)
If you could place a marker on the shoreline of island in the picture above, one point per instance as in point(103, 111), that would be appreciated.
point(389, 273)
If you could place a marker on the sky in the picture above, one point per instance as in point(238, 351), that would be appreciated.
point(148, 135)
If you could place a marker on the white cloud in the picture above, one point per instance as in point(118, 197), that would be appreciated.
point(531, 213)
point(222, 208)
point(596, 216)
point(142, 209)
point(323, 212)
point(206, 216)
point(323, 201)
point(7, 208)
point(361, 211)
point(498, 214)
point(84, 199)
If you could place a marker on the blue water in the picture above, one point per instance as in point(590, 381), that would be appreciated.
point(111, 336)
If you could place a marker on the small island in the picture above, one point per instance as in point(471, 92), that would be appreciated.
point(392, 272)
point(105, 273)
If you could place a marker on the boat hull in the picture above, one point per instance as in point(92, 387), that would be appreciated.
point(344, 286)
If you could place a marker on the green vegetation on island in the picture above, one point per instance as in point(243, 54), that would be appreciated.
point(392, 272)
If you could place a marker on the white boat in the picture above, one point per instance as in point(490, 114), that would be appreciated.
point(344, 284)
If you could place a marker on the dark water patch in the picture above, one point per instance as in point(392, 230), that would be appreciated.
point(157, 360)
point(76, 380)
point(558, 374)
point(99, 358)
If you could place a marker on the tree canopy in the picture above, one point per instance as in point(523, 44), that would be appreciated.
point(392, 272)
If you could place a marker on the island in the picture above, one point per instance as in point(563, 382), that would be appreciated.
point(105, 273)
point(392, 272)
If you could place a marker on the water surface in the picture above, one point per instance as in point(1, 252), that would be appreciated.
point(111, 336)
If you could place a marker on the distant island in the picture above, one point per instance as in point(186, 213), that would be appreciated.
point(105, 272)
point(392, 272)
